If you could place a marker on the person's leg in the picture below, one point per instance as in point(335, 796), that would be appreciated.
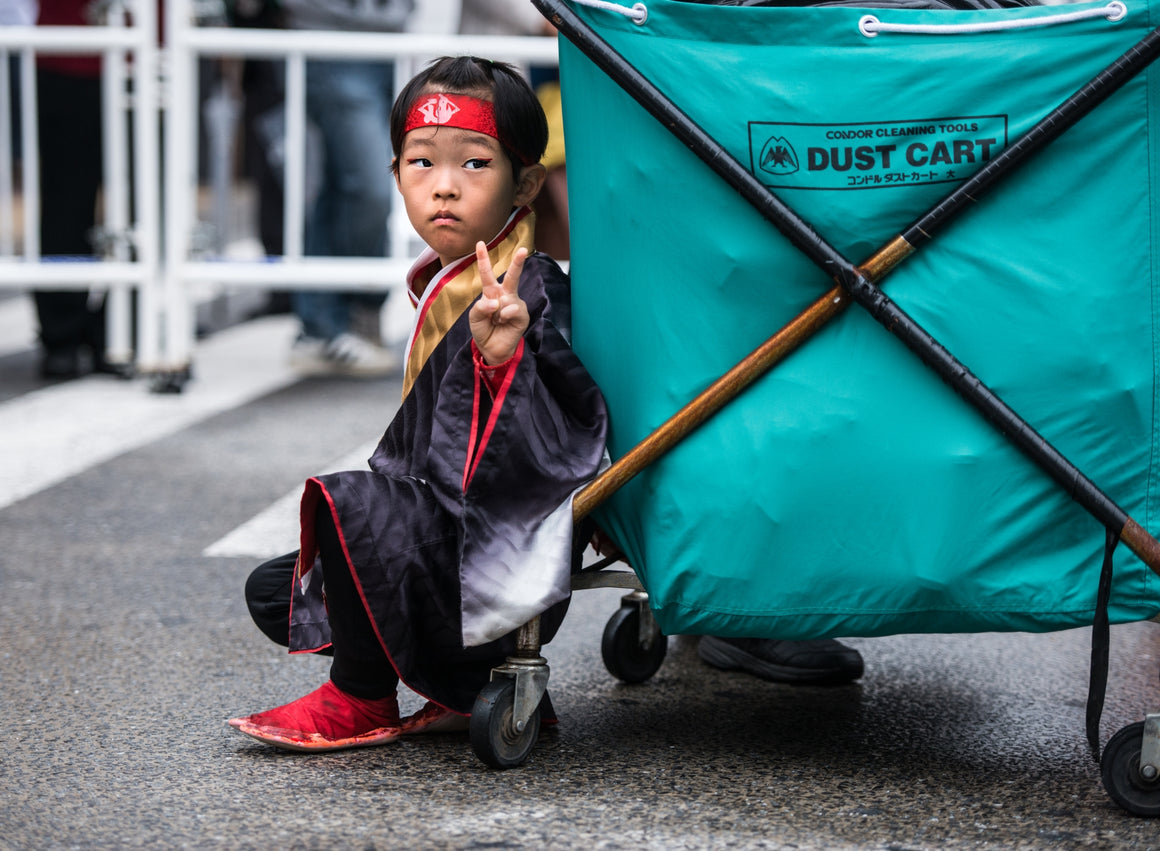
point(268, 591)
point(360, 665)
point(66, 324)
point(357, 706)
point(68, 108)
point(340, 336)
point(324, 315)
point(349, 102)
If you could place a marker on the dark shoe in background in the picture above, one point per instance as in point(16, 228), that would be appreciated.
point(815, 662)
point(64, 363)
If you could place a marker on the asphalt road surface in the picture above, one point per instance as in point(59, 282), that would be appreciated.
point(130, 519)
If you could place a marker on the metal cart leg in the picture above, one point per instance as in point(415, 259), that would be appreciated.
point(505, 720)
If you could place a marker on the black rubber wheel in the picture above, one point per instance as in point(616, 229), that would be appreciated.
point(1120, 771)
point(494, 737)
point(624, 656)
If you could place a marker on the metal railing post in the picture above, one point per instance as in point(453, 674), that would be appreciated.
point(29, 156)
point(180, 188)
point(294, 161)
point(116, 182)
point(146, 76)
point(7, 196)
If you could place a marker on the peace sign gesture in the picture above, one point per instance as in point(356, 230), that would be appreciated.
point(499, 317)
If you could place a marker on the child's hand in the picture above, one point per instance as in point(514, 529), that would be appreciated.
point(499, 317)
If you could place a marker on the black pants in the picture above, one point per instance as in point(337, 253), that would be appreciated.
point(68, 110)
point(360, 666)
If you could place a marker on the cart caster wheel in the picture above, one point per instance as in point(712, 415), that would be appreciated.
point(1123, 779)
point(624, 655)
point(494, 737)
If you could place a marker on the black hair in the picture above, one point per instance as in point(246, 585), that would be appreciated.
point(519, 118)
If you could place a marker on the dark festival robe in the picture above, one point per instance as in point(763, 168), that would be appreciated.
point(461, 530)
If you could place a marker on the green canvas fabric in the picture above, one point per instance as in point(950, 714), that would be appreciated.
point(850, 491)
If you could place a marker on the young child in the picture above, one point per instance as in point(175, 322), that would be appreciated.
point(420, 568)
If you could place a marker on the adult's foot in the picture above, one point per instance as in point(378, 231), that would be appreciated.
point(66, 362)
point(346, 355)
point(814, 662)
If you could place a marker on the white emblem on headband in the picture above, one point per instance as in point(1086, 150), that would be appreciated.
point(438, 110)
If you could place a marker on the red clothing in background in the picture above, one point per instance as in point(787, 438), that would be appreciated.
point(66, 13)
point(72, 13)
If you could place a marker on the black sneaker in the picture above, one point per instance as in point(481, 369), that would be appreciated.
point(815, 662)
point(64, 362)
point(61, 363)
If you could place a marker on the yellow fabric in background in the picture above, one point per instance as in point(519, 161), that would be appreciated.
point(549, 95)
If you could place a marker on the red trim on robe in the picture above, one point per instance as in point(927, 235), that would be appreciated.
point(476, 446)
point(452, 272)
point(493, 376)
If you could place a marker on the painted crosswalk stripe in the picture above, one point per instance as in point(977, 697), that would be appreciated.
point(56, 432)
point(17, 325)
point(275, 530)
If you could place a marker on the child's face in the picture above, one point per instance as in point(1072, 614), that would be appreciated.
point(458, 188)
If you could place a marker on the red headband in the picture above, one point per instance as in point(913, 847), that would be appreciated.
point(447, 110)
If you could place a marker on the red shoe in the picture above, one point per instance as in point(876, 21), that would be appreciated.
point(327, 719)
point(433, 718)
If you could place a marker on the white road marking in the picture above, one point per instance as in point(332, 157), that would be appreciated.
point(51, 434)
point(17, 325)
point(275, 530)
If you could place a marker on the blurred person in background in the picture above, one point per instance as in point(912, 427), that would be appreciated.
point(68, 104)
point(349, 102)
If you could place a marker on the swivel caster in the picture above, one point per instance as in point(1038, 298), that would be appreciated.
point(1130, 769)
point(494, 734)
point(633, 646)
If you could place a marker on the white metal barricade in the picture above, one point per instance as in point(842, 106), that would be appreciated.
point(156, 253)
point(186, 45)
point(131, 255)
